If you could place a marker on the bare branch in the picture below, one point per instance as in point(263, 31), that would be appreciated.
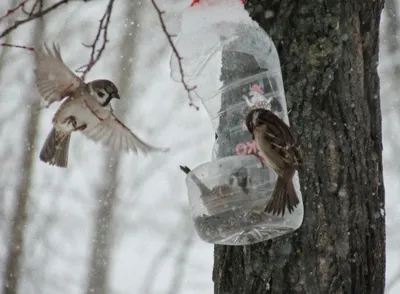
point(17, 46)
point(21, 6)
point(12, 10)
point(31, 16)
point(101, 32)
point(188, 88)
point(38, 5)
point(36, 11)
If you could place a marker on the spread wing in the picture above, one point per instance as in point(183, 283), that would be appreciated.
point(114, 134)
point(54, 80)
point(281, 138)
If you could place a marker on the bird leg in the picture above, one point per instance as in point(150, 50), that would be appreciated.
point(81, 127)
point(70, 120)
point(251, 149)
point(261, 160)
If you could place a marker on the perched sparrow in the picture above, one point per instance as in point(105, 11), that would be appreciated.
point(87, 109)
point(281, 152)
point(215, 197)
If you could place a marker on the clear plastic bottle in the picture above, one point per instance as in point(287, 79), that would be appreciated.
point(235, 67)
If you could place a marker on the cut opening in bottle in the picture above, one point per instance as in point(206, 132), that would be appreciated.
point(227, 200)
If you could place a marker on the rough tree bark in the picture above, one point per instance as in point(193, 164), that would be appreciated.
point(329, 56)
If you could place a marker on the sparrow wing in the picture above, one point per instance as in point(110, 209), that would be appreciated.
point(54, 80)
point(113, 133)
point(281, 138)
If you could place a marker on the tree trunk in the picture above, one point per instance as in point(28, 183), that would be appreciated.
point(19, 221)
point(107, 196)
point(329, 56)
point(13, 266)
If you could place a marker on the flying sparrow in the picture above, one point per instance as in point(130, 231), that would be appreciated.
point(281, 152)
point(219, 195)
point(87, 109)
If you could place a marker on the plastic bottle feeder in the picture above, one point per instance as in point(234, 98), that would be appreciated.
point(235, 67)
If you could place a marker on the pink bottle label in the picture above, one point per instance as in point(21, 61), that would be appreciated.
point(246, 148)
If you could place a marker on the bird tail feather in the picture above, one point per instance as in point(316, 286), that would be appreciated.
point(55, 149)
point(284, 196)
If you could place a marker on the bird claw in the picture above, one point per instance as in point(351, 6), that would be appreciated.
point(70, 120)
point(81, 127)
point(262, 160)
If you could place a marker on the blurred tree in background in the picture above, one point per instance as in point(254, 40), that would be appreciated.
point(105, 225)
point(92, 228)
point(389, 67)
point(23, 187)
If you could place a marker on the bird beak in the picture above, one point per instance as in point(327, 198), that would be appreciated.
point(115, 95)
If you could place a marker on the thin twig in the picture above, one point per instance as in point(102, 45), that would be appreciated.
point(188, 88)
point(37, 11)
point(101, 31)
point(17, 46)
point(31, 17)
point(12, 10)
point(38, 5)
point(21, 6)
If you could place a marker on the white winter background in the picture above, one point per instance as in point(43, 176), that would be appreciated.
point(155, 248)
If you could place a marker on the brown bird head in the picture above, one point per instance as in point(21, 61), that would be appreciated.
point(276, 133)
point(103, 91)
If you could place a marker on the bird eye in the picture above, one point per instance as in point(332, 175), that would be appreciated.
point(101, 94)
